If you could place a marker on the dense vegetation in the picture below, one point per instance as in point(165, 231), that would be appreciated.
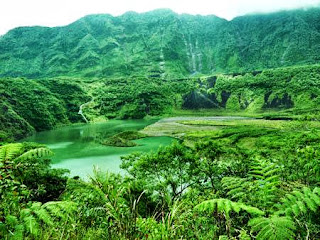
point(161, 43)
point(293, 90)
point(238, 179)
point(27, 105)
point(247, 179)
point(122, 139)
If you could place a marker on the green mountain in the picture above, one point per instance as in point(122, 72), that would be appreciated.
point(153, 63)
point(163, 44)
point(231, 178)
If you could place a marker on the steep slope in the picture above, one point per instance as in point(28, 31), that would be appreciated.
point(163, 44)
point(35, 105)
point(291, 91)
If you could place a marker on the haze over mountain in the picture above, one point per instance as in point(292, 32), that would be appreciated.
point(52, 13)
point(162, 43)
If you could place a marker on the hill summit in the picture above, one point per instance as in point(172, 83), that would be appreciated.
point(162, 43)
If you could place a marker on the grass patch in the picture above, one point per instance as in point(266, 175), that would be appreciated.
point(269, 137)
point(240, 122)
point(306, 114)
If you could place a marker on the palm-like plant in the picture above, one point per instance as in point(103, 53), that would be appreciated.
point(20, 216)
point(262, 188)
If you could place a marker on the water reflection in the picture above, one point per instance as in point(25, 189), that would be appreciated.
point(76, 146)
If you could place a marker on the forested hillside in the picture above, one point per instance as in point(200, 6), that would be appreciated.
point(294, 89)
point(41, 104)
point(29, 105)
point(162, 44)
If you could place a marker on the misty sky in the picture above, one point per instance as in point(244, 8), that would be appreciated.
point(14, 13)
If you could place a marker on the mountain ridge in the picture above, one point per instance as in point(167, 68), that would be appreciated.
point(161, 43)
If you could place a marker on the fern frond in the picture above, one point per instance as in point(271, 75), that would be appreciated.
point(252, 210)
point(244, 235)
point(316, 190)
point(273, 228)
point(43, 215)
point(25, 212)
point(33, 218)
point(61, 209)
point(9, 151)
point(299, 202)
point(302, 206)
point(228, 207)
point(257, 174)
point(225, 206)
point(31, 225)
point(259, 189)
point(238, 187)
point(270, 170)
point(35, 153)
point(11, 220)
point(313, 206)
point(262, 170)
point(18, 232)
point(273, 178)
point(54, 211)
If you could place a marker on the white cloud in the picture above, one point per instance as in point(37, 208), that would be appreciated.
point(15, 13)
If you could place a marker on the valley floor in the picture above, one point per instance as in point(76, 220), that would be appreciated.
point(227, 177)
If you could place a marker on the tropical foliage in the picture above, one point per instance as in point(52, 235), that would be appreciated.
point(212, 187)
point(29, 105)
point(235, 179)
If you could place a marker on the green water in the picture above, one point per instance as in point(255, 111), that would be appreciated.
point(76, 149)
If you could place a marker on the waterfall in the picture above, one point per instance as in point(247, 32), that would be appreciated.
point(194, 54)
point(162, 63)
point(199, 56)
point(81, 112)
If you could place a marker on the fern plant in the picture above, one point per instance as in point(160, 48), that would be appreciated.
point(33, 219)
point(238, 188)
point(299, 202)
point(19, 164)
point(35, 153)
point(273, 228)
point(25, 174)
point(226, 206)
point(281, 224)
point(15, 151)
point(12, 191)
point(9, 151)
point(260, 188)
